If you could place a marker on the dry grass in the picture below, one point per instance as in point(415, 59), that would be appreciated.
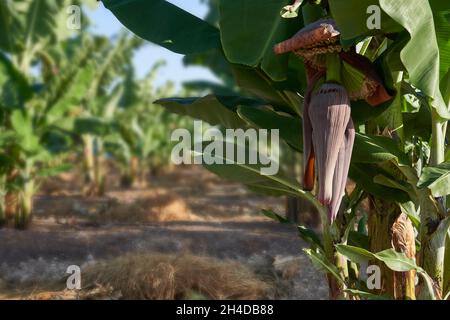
point(174, 277)
point(157, 205)
point(123, 206)
point(161, 276)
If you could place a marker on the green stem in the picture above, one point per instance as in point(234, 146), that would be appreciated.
point(432, 253)
point(333, 68)
point(341, 263)
point(336, 288)
point(438, 139)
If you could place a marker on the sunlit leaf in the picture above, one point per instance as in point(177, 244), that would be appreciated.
point(437, 179)
point(214, 110)
point(424, 73)
point(374, 149)
point(251, 28)
point(321, 263)
point(165, 24)
point(275, 216)
point(290, 128)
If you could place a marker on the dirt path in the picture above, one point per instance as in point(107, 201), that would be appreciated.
point(207, 217)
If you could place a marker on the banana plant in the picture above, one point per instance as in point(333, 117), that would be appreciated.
point(95, 119)
point(140, 144)
point(38, 130)
point(397, 82)
point(33, 104)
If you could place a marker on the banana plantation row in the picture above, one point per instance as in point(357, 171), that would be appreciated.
point(71, 99)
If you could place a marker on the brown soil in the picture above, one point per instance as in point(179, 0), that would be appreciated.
point(186, 211)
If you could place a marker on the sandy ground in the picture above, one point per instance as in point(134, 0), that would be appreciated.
point(187, 210)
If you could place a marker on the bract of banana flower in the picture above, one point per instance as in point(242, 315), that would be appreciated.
point(322, 37)
point(332, 137)
point(316, 38)
point(328, 131)
point(308, 151)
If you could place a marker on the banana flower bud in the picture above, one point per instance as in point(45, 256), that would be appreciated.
point(332, 138)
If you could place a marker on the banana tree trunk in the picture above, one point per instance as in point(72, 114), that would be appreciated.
point(11, 203)
point(434, 219)
point(11, 197)
point(404, 241)
point(93, 166)
point(99, 174)
point(2, 209)
point(389, 228)
point(88, 159)
point(433, 233)
point(380, 221)
point(131, 174)
point(446, 286)
point(134, 169)
point(143, 174)
point(23, 216)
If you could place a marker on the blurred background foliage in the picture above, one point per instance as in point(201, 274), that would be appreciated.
point(70, 99)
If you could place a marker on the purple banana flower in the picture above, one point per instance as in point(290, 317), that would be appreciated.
point(328, 131)
point(332, 141)
point(341, 170)
point(308, 149)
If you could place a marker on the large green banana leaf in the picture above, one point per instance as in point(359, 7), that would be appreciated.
point(25, 22)
point(351, 18)
point(437, 179)
point(165, 24)
point(421, 55)
point(249, 30)
point(441, 15)
point(215, 110)
point(290, 128)
point(14, 87)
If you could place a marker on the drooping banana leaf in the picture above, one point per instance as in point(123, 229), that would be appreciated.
point(420, 56)
point(375, 149)
point(229, 167)
point(15, 89)
point(249, 29)
point(74, 92)
point(352, 18)
point(364, 175)
point(290, 127)
point(441, 15)
point(437, 179)
point(212, 109)
point(258, 84)
point(424, 73)
point(165, 24)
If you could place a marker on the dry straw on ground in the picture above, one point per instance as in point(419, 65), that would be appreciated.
point(174, 277)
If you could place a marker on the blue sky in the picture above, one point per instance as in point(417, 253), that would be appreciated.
point(105, 23)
